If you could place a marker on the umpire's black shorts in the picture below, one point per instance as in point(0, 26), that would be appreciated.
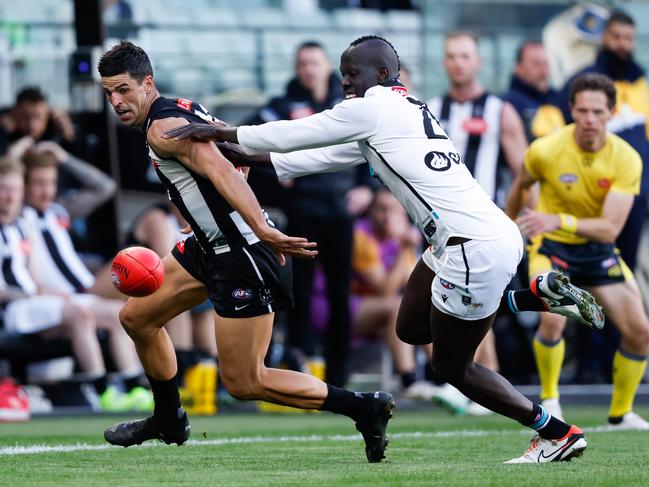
point(241, 283)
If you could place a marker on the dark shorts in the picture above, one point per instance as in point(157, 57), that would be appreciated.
point(241, 283)
point(589, 264)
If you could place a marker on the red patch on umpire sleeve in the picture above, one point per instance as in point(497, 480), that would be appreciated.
point(180, 245)
point(604, 183)
point(184, 103)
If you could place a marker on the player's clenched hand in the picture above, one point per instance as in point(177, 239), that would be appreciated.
point(284, 245)
point(199, 131)
point(533, 223)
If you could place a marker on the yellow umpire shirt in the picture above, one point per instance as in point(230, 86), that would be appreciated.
point(576, 182)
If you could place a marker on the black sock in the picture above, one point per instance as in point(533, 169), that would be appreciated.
point(185, 360)
point(513, 302)
point(547, 425)
point(131, 382)
point(341, 401)
point(408, 379)
point(166, 397)
point(100, 384)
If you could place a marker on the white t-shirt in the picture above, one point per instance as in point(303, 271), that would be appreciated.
point(407, 150)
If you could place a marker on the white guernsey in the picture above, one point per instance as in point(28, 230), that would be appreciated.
point(407, 150)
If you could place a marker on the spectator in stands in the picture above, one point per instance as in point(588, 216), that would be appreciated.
point(480, 124)
point(31, 306)
point(322, 209)
point(483, 127)
point(385, 252)
point(117, 15)
point(32, 115)
point(530, 92)
point(95, 188)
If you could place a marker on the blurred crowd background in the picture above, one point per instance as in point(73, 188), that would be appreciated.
point(251, 61)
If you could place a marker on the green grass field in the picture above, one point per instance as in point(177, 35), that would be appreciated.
point(427, 448)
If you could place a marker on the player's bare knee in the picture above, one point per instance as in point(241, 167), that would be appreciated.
point(241, 385)
point(451, 373)
point(640, 334)
point(128, 317)
point(551, 326)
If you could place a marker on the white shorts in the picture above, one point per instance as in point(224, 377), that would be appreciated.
point(38, 313)
point(471, 278)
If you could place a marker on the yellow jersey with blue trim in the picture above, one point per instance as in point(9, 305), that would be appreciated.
point(575, 181)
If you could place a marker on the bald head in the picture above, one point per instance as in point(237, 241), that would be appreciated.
point(367, 62)
point(375, 52)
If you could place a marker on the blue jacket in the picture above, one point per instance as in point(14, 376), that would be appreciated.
point(538, 110)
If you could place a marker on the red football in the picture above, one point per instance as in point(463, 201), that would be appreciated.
point(137, 271)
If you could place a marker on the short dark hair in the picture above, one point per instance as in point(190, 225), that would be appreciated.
point(521, 49)
point(310, 45)
point(362, 39)
point(125, 57)
point(593, 82)
point(619, 17)
point(30, 94)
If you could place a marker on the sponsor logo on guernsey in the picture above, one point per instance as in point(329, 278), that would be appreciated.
point(180, 245)
point(610, 262)
point(466, 300)
point(242, 294)
point(475, 126)
point(568, 178)
point(399, 89)
point(184, 103)
point(265, 296)
point(446, 284)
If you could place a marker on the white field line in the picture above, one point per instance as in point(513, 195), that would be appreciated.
point(37, 449)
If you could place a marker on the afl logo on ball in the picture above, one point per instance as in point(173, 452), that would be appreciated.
point(242, 294)
point(115, 278)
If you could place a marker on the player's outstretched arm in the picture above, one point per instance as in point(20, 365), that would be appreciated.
point(204, 132)
point(206, 160)
point(349, 121)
